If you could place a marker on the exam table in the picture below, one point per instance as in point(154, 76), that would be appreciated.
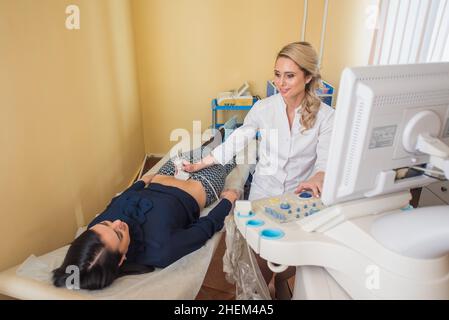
point(180, 280)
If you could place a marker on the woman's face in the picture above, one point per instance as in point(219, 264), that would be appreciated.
point(289, 78)
point(115, 235)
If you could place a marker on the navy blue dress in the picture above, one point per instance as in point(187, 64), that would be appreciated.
point(164, 222)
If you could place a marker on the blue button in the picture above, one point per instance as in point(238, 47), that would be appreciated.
point(305, 195)
point(285, 205)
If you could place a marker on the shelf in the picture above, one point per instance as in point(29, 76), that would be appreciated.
point(216, 108)
point(218, 125)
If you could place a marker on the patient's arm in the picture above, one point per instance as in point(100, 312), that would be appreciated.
point(231, 194)
point(185, 241)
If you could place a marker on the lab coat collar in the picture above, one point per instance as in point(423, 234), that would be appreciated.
point(284, 105)
point(283, 118)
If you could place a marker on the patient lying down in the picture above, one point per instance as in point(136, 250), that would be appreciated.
point(147, 227)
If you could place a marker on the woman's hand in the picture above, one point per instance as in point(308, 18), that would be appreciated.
point(315, 184)
point(194, 167)
point(231, 194)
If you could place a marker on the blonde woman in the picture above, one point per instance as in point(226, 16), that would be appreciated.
point(295, 129)
point(294, 126)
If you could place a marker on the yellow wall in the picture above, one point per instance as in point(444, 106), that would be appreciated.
point(70, 121)
point(189, 50)
point(348, 37)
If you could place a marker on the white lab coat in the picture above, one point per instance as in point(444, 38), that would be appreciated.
point(286, 158)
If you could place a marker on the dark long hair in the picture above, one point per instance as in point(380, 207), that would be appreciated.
point(98, 266)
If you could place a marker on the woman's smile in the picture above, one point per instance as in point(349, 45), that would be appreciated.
point(284, 91)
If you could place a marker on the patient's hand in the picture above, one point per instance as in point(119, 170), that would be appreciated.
point(231, 194)
point(147, 178)
point(194, 167)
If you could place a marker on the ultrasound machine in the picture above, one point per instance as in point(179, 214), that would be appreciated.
point(362, 239)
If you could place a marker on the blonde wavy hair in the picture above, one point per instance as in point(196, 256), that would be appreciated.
point(305, 56)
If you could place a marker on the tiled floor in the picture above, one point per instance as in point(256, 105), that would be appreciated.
point(215, 285)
